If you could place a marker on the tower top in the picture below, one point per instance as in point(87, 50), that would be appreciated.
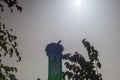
point(55, 48)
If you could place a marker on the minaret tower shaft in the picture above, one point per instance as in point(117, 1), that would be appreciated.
point(54, 53)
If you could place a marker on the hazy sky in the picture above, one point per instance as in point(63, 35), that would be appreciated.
point(46, 21)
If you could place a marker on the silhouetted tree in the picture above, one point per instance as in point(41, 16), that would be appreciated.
point(81, 69)
point(8, 43)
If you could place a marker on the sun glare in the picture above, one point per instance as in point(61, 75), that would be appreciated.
point(77, 6)
point(77, 3)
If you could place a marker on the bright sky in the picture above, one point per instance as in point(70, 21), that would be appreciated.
point(46, 21)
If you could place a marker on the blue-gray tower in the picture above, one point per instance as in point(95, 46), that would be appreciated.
point(54, 53)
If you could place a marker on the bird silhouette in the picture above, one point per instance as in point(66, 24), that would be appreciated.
point(59, 41)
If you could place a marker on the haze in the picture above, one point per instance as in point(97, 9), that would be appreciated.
point(44, 21)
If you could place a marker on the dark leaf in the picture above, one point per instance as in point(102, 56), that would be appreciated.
point(19, 8)
point(19, 59)
point(99, 64)
point(11, 30)
point(17, 53)
point(15, 37)
point(3, 26)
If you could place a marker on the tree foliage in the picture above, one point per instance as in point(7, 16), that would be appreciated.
point(8, 43)
point(10, 4)
point(8, 47)
point(80, 68)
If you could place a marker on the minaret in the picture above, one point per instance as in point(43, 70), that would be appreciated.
point(54, 53)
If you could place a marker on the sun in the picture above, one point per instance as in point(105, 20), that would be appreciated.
point(77, 7)
point(77, 3)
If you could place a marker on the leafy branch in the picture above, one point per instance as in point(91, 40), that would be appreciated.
point(8, 47)
point(81, 69)
point(10, 4)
